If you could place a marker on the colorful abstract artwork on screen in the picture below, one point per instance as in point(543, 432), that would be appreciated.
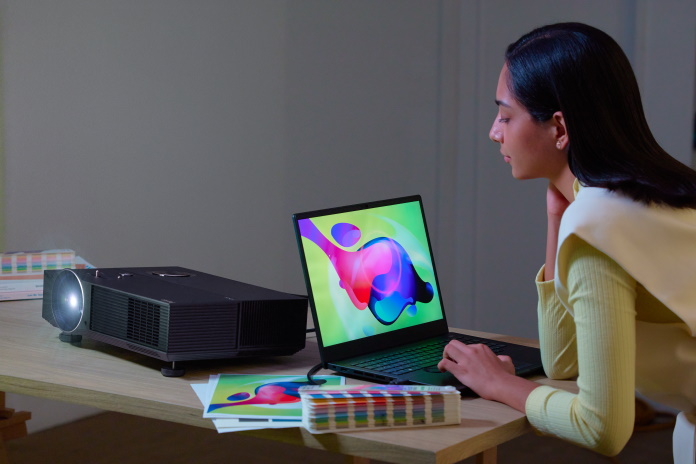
point(372, 268)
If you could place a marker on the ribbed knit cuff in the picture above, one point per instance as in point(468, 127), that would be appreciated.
point(545, 289)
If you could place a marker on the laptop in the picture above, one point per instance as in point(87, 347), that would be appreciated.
point(375, 298)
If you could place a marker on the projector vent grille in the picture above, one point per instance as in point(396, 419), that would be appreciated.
point(264, 323)
point(203, 328)
point(128, 318)
point(143, 322)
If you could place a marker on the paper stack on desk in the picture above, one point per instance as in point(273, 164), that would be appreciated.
point(237, 402)
point(326, 408)
point(21, 272)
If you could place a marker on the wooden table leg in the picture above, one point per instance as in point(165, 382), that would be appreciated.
point(489, 456)
point(3, 453)
point(12, 425)
point(351, 460)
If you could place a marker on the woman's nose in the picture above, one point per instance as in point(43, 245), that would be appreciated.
point(495, 134)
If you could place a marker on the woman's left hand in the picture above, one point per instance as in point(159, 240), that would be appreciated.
point(477, 367)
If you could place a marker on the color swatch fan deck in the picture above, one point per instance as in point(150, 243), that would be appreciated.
point(327, 408)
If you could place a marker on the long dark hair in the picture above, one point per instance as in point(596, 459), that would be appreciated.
point(582, 72)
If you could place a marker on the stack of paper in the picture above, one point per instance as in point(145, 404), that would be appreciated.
point(326, 408)
point(21, 272)
point(238, 402)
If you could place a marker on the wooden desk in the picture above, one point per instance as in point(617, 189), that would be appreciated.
point(34, 362)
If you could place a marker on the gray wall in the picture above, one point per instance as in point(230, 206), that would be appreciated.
point(187, 132)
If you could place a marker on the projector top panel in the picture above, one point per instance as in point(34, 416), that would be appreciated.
point(178, 284)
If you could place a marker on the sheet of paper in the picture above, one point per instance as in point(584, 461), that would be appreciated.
point(259, 396)
point(201, 390)
point(237, 402)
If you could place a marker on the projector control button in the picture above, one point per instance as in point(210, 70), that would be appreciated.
point(171, 274)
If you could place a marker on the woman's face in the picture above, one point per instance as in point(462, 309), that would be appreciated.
point(530, 147)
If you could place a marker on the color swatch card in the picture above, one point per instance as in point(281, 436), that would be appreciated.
point(326, 408)
point(22, 272)
point(32, 262)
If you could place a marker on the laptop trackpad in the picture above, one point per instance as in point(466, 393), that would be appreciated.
point(432, 376)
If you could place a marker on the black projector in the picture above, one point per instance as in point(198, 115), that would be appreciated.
point(174, 314)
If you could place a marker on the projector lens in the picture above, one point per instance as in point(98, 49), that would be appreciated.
point(67, 301)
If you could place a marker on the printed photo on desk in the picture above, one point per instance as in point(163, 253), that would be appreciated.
point(258, 396)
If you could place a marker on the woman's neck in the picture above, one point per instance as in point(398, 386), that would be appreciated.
point(564, 183)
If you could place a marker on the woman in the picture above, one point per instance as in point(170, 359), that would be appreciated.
point(617, 292)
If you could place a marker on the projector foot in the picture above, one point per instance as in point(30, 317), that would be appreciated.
point(69, 338)
point(172, 371)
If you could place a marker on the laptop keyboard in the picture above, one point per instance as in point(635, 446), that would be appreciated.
point(421, 356)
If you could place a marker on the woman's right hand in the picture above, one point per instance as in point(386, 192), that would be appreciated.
point(491, 376)
point(556, 203)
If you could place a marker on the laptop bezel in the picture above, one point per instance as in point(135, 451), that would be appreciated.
point(362, 346)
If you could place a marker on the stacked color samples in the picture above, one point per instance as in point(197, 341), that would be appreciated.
point(327, 408)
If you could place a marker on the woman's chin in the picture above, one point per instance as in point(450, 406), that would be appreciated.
point(524, 175)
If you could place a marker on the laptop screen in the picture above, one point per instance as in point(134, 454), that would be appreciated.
point(369, 269)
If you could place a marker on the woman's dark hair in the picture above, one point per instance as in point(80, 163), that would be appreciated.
point(582, 72)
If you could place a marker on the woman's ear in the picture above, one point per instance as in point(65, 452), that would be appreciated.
point(560, 133)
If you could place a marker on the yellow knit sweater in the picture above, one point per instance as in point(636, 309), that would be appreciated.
point(597, 342)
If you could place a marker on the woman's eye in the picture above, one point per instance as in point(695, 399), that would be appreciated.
point(503, 120)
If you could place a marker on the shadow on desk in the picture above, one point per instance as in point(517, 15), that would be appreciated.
point(112, 438)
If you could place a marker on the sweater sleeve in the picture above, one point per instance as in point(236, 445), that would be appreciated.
point(556, 332)
point(600, 416)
